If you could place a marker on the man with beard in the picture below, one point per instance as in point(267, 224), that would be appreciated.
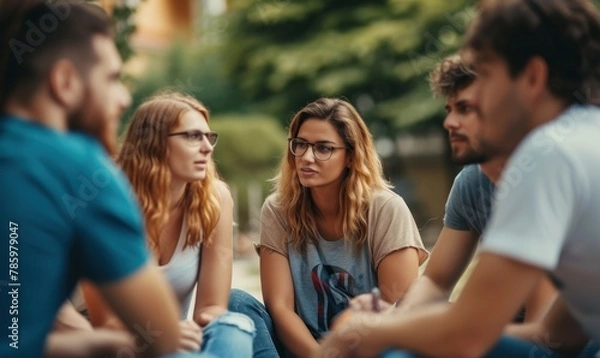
point(67, 212)
point(468, 207)
point(538, 68)
point(469, 203)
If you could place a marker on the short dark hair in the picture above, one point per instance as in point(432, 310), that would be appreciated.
point(35, 34)
point(565, 33)
point(451, 75)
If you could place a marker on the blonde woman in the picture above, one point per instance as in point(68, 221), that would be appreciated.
point(332, 229)
point(167, 155)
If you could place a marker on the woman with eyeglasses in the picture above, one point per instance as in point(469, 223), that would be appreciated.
point(167, 155)
point(333, 229)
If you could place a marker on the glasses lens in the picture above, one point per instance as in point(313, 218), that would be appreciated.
point(298, 147)
point(322, 152)
point(212, 138)
point(193, 137)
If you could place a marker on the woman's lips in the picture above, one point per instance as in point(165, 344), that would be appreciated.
point(308, 171)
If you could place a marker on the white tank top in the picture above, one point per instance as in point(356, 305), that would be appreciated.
point(182, 271)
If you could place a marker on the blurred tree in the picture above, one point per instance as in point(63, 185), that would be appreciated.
point(121, 12)
point(285, 54)
point(124, 27)
point(247, 155)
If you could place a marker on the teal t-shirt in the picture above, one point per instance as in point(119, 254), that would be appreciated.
point(66, 213)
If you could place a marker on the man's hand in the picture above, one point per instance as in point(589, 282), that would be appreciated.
point(364, 303)
point(353, 338)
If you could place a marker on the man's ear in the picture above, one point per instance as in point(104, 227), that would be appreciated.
point(65, 84)
point(535, 77)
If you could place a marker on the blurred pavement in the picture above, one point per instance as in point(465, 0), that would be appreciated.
point(246, 274)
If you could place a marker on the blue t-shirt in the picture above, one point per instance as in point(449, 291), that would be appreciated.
point(66, 213)
point(470, 201)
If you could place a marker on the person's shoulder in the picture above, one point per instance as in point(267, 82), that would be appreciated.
point(571, 129)
point(578, 116)
point(73, 150)
point(223, 190)
point(39, 146)
point(37, 139)
point(272, 199)
point(384, 194)
point(383, 197)
point(469, 173)
point(271, 203)
point(89, 157)
point(469, 177)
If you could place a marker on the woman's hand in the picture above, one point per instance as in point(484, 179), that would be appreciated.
point(190, 339)
point(207, 314)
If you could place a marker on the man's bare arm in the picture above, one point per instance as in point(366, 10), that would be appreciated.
point(146, 305)
point(557, 329)
point(449, 258)
point(466, 328)
point(68, 318)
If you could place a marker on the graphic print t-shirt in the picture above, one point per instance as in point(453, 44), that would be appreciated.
point(336, 274)
point(330, 273)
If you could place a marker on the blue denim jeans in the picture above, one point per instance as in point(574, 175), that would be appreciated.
point(266, 344)
point(514, 348)
point(229, 335)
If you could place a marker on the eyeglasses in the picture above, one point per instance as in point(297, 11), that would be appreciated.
point(196, 137)
point(321, 151)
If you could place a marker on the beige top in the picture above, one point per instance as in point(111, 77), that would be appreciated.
point(391, 227)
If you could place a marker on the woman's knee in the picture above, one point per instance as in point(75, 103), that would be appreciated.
point(237, 320)
point(241, 301)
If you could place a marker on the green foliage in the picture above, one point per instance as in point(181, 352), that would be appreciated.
point(284, 54)
point(196, 71)
point(249, 149)
point(122, 18)
point(262, 61)
point(254, 145)
point(124, 28)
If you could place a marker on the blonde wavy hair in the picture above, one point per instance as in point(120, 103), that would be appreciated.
point(143, 157)
point(364, 175)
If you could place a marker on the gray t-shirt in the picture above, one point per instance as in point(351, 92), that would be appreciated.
point(330, 275)
point(332, 272)
point(547, 209)
point(469, 203)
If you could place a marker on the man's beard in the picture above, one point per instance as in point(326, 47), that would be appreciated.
point(86, 119)
point(471, 157)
